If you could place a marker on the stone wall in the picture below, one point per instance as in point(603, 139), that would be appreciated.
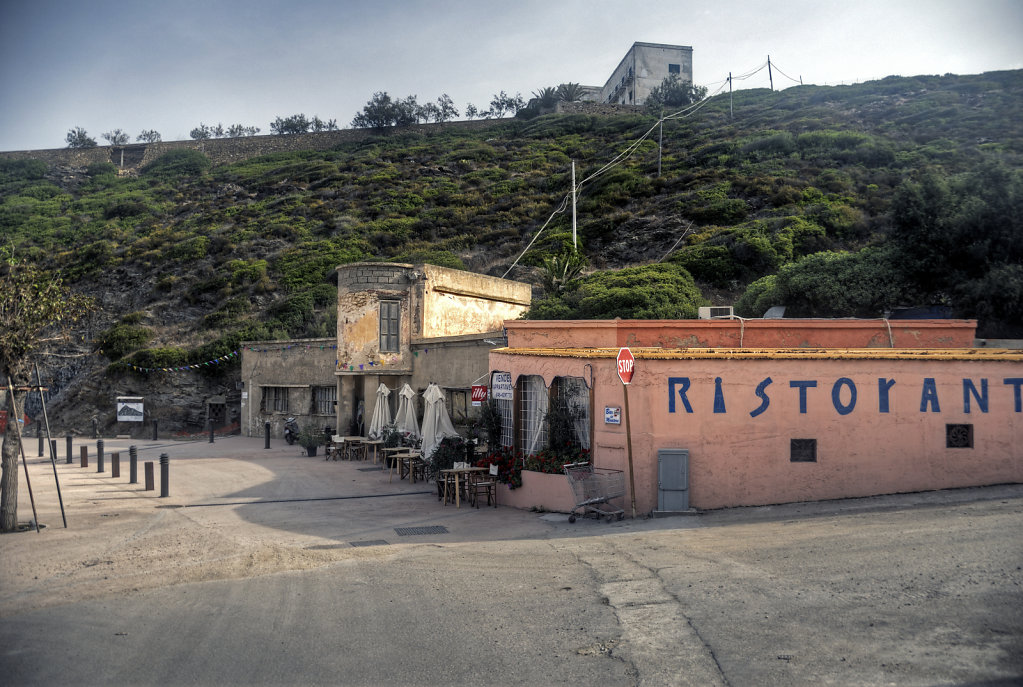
point(602, 109)
point(228, 150)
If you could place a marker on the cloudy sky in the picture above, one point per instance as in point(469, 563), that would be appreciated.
point(170, 64)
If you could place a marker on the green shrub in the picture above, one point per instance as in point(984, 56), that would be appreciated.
point(831, 284)
point(122, 339)
point(662, 291)
point(97, 169)
point(191, 250)
point(12, 170)
point(177, 163)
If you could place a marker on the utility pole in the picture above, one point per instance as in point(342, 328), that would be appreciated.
point(769, 75)
point(575, 247)
point(730, 113)
point(660, 144)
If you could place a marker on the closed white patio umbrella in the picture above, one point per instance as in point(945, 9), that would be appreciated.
point(381, 413)
point(436, 423)
point(406, 418)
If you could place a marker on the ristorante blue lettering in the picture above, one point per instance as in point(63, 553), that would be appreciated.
point(977, 394)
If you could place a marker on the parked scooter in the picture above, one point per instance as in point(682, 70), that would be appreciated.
point(290, 430)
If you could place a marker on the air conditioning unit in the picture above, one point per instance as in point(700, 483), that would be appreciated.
point(710, 312)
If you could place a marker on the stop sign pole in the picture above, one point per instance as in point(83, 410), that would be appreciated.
point(626, 367)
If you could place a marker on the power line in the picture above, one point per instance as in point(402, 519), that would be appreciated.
point(684, 113)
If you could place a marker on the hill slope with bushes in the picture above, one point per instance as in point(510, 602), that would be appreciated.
point(833, 201)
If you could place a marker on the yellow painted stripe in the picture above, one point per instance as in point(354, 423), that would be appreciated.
point(993, 354)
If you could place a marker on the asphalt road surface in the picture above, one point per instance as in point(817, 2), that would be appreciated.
point(264, 567)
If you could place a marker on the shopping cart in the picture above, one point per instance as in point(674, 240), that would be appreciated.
point(594, 488)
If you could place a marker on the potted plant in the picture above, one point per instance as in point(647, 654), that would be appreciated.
point(310, 438)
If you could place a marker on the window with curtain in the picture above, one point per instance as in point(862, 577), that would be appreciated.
point(323, 400)
point(533, 402)
point(573, 393)
point(275, 399)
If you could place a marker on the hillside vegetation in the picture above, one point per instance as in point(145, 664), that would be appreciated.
point(833, 201)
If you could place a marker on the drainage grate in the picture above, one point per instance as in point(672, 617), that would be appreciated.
point(429, 529)
point(370, 469)
point(369, 542)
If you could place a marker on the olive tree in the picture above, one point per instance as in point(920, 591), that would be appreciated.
point(33, 303)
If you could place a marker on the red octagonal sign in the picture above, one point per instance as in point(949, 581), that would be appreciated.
point(626, 365)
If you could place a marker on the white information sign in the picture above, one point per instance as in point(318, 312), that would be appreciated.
point(501, 386)
point(612, 416)
point(129, 410)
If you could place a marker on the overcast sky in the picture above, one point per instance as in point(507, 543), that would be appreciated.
point(170, 64)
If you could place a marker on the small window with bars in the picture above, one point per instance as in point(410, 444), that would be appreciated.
point(390, 321)
point(324, 398)
point(275, 399)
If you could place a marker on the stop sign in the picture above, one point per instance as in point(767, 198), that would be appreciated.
point(626, 365)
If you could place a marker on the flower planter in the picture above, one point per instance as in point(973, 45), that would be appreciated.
point(539, 489)
point(311, 450)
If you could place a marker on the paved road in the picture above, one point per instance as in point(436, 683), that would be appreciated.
point(264, 567)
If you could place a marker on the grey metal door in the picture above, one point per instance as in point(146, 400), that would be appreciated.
point(672, 479)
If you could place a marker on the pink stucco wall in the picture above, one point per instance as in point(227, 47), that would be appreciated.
point(739, 456)
point(735, 333)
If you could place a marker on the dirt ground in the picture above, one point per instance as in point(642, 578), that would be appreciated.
point(905, 589)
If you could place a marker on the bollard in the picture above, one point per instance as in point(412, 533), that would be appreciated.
point(156, 426)
point(150, 482)
point(95, 428)
point(68, 439)
point(211, 431)
point(115, 464)
point(164, 475)
point(266, 435)
point(39, 433)
point(53, 450)
point(99, 456)
point(133, 465)
point(85, 456)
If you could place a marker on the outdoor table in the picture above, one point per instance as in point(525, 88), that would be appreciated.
point(375, 444)
point(458, 474)
point(411, 454)
point(389, 453)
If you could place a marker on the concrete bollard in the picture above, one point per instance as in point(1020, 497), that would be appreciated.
point(266, 435)
point(85, 456)
point(68, 439)
point(150, 481)
point(133, 465)
point(164, 475)
point(100, 467)
point(115, 464)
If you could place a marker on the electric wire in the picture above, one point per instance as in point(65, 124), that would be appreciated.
point(684, 113)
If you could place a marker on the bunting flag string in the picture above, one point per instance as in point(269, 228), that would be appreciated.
point(186, 368)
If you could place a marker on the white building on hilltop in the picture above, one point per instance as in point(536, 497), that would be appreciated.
point(642, 69)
